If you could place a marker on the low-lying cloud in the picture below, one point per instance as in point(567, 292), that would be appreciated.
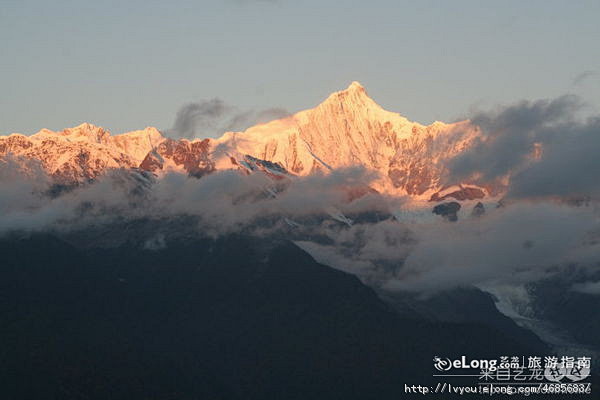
point(588, 287)
point(225, 201)
point(518, 244)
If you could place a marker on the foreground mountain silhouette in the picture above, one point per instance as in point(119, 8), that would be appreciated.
point(347, 129)
point(231, 318)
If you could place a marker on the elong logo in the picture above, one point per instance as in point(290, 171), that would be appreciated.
point(445, 364)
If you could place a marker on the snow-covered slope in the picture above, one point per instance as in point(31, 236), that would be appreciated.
point(86, 151)
point(75, 154)
point(347, 129)
point(350, 129)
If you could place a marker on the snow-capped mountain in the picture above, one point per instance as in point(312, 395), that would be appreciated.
point(81, 153)
point(347, 129)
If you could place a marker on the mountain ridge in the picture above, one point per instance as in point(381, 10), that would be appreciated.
point(347, 129)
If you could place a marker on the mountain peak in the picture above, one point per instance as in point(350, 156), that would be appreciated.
point(354, 86)
point(87, 132)
point(84, 132)
point(354, 94)
point(355, 89)
point(86, 126)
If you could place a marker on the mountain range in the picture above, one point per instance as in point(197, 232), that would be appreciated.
point(348, 129)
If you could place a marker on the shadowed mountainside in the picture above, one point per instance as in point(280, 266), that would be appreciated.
point(233, 318)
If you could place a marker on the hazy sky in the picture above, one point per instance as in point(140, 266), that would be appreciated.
point(130, 64)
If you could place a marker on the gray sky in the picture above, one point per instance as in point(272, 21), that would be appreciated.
point(129, 64)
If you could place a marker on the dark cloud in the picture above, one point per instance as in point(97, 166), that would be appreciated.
point(541, 147)
point(213, 117)
point(244, 120)
point(569, 165)
point(584, 76)
point(196, 119)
